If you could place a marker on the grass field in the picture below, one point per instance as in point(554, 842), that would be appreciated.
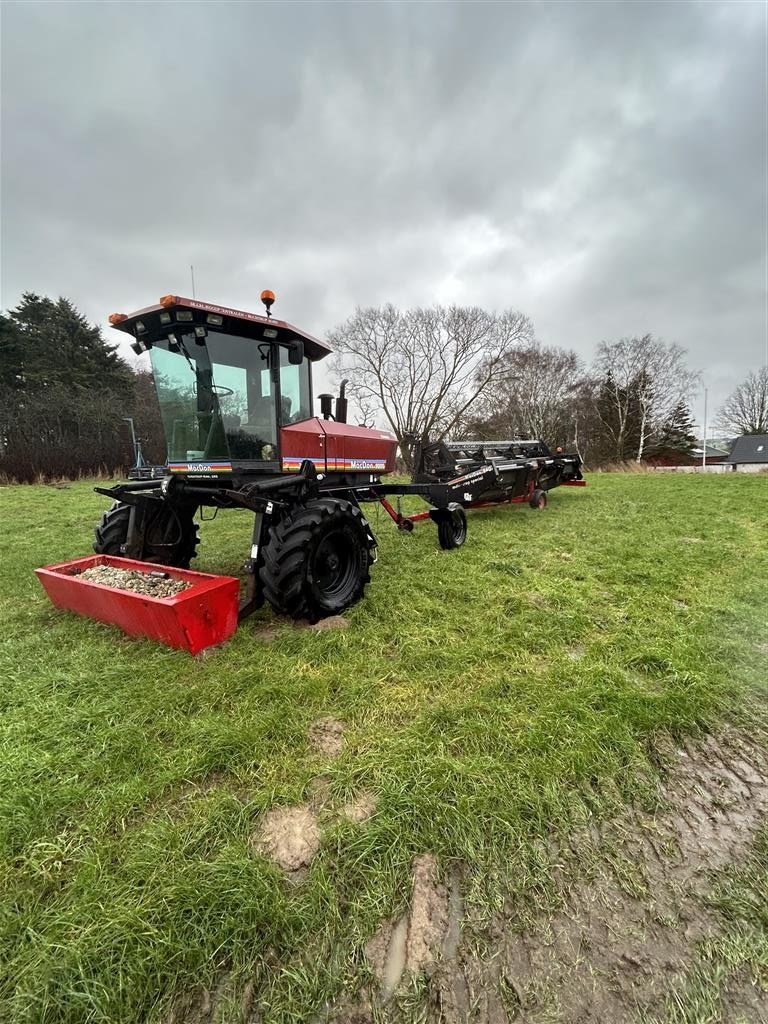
point(482, 690)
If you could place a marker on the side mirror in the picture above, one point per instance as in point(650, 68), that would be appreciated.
point(296, 352)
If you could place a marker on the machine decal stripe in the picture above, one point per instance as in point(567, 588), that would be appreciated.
point(362, 464)
point(200, 467)
point(293, 463)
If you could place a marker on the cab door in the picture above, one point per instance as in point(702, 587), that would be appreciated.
point(301, 435)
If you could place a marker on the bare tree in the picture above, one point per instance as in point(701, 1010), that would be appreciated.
point(535, 399)
point(425, 367)
point(642, 380)
point(745, 411)
point(367, 410)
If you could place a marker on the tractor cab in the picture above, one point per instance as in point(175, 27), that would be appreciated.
point(227, 382)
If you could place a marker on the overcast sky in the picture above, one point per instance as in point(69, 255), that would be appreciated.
point(600, 166)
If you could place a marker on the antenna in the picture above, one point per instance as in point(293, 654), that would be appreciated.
point(192, 272)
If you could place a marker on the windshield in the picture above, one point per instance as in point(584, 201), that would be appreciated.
point(216, 399)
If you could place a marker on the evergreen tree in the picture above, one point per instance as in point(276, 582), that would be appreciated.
point(11, 358)
point(48, 344)
point(63, 392)
point(676, 434)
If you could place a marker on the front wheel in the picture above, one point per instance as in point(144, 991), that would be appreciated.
point(170, 534)
point(538, 500)
point(317, 560)
point(451, 525)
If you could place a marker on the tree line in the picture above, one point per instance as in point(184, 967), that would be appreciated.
point(431, 372)
point(65, 395)
point(462, 372)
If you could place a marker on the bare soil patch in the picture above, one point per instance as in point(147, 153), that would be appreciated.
point(416, 939)
point(428, 922)
point(268, 633)
point(326, 737)
point(361, 808)
point(290, 836)
point(323, 625)
point(743, 1003)
point(200, 1006)
point(223, 1003)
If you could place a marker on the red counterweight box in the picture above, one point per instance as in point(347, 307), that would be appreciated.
point(201, 616)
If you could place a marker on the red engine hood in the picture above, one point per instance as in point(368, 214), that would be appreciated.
point(337, 447)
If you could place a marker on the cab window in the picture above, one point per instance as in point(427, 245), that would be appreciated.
point(295, 397)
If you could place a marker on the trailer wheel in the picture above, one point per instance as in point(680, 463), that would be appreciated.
point(451, 526)
point(317, 560)
point(538, 500)
point(171, 535)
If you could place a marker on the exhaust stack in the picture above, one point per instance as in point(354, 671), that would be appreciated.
point(341, 403)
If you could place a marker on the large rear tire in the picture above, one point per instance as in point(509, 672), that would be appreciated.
point(171, 535)
point(317, 560)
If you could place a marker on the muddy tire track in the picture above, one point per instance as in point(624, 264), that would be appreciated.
point(609, 954)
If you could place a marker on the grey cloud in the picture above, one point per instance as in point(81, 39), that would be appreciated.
point(600, 166)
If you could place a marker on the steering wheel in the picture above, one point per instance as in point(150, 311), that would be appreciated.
point(220, 391)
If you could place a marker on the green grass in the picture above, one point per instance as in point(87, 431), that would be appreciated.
point(484, 689)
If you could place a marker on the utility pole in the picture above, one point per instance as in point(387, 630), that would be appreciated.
point(704, 449)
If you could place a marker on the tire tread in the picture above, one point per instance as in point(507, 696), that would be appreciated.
point(283, 572)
